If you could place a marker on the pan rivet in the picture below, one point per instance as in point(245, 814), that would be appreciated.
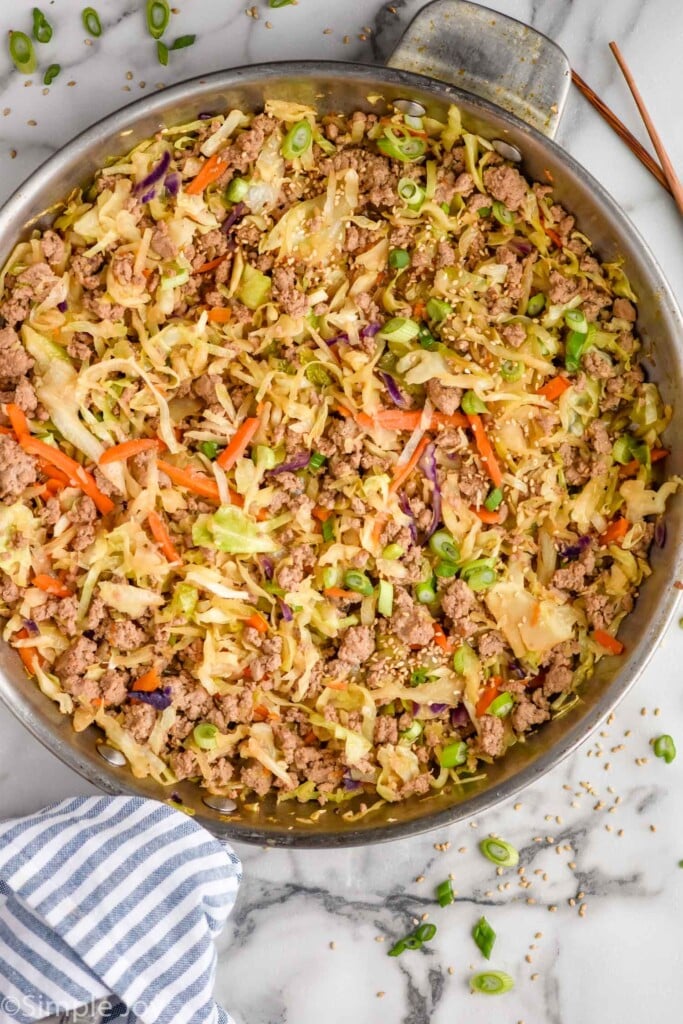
point(222, 804)
point(507, 150)
point(111, 756)
point(410, 107)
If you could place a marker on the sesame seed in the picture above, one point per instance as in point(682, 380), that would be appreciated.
point(451, 970)
point(528, 959)
point(381, 995)
point(582, 910)
point(552, 908)
point(420, 878)
point(538, 935)
point(518, 807)
point(379, 938)
point(333, 945)
point(653, 828)
point(534, 977)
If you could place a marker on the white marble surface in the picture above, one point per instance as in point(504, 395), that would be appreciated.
point(600, 825)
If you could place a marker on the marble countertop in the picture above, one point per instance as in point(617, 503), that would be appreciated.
point(591, 929)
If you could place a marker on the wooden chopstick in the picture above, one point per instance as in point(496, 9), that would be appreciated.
point(667, 167)
point(622, 131)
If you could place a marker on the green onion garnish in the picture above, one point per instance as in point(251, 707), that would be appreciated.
point(491, 983)
point(274, 4)
point(205, 736)
point(465, 660)
point(399, 946)
point(419, 676)
point(42, 29)
point(399, 259)
point(576, 320)
point(412, 733)
point(162, 52)
point(237, 190)
point(400, 329)
point(494, 499)
point(502, 214)
point(91, 21)
point(472, 404)
point(576, 343)
point(438, 309)
point(358, 582)
point(158, 15)
point(426, 339)
point(182, 42)
point(425, 592)
point(484, 211)
point(536, 304)
point(51, 73)
point(444, 893)
point(484, 936)
point(480, 578)
point(385, 598)
point(445, 570)
point(411, 192)
point(328, 530)
point(622, 449)
point(442, 544)
point(453, 755)
point(501, 706)
point(406, 149)
point(393, 551)
point(297, 140)
point(503, 854)
point(425, 932)
point(665, 748)
point(209, 448)
point(510, 370)
point(317, 461)
point(22, 53)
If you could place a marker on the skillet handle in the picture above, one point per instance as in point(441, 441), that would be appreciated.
point(495, 57)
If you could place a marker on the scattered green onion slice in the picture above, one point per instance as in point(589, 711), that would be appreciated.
point(494, 499)
point(426, 338)
point(665, 748)
point(209, 448)
point(385, 598)
point(442, 544)
point(623, 448)
point(484, 936)
point(445, 570)
point(205, 736)
point(237, 190)
point(481, 578)
point(502, 214)
point(297, 140)
point(491, 983)
point(328, 530)
point(42, 29)
point(22, 53)
point(425, 592)
point(464, 659)
point(575, 345)
point(419, 676)
point(162, 52)
point(471, 403)
point(274, 4)
point(399, 259)
point(406, 149)
point(453, 755)
point(158, 14)
point(501, 706)
point(400, 329)
point(317, 461)
point(503, 854)
point(510, 370)
point(182, 42)
point(358, 582)
point(411, 192)
point(576, 320)
point(425, 932)
point(51, 73)
point(400, 946)
point(393, 551)
point(438, 309)
point(536, 304)
point(412, 942)
point(91, 21)
point(484, 211)
point(444, 893)
point(413, 732)
point(317, 375)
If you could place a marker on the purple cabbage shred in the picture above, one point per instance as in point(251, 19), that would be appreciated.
point(428, 464)
point(63, 306)
point(459, 717)
point(573, 551)
point(159, 699)
point(238, 211)
point(660, 533)
point(286, 610)
point(172, 183)
point(370, 331)
point(395, 393)
point(405, 507)
point(152, 179)
point(298, 461)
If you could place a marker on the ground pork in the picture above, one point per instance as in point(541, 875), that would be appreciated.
point(526, 713)
point(302, 562)
point(573, 576)
point(491, 644)
point(457, 601)
point(445, 255)
point(22, 395)
point(513, 334)
point(562, 288)
point(184, 764)
point(506, 184)
point(52, 248)
point(40, 278)
point(256, 777)
point(114, 686)
point(492, 736)
point(600, 439)
point(410, 622)
point(75, 660)
point(472, 484)
point(319, 766)
point(125, 635)
point(357, 645)
point(189, 696)
point(88, 270)
point(103, 308)
point(268, 659)
point(624, 309)
point(83, 515)
point(139, 720)
point(378, 178)
point(221, 771)
point(14, 359)
point(557, 671)
point(386, 729)
point(597, 364)
point(577, 467)
point(17, 469)
point(246, 147)
point(232, 709)
point(446, 399)
point(63, 610)
point(162, 243)
point(286, 293)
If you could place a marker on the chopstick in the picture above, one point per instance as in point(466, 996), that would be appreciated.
point(622, 131)
point(668, 168)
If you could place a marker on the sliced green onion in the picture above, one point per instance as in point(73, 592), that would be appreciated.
point(622, 449)
point(427, 339)
point(438, 309)
point(472, 404)
point(393, 551)
point(162, 52)
point(91, 21)
point(444, 893)
point(318, 375)
point(158, 15)
point(358, 582)
point(411, 192)
point(175, 281)
point(574, 348)
point(503, 854)
point(501, 706)
point(484, 211)
point(419, 676)
point(317, 461)
point(385, 598)
point(205, 736)
point(209, 448)
point(22, 53)
point(331, 575)
point(464, 660)
point(510, 370)
point(237, 190)
point(453, 755)
point(42, 29)
point(400, 946)
point(575, 319)
point(502, 214)
point(479, 573)
point(182, 42)
point(425, 593)
point(665, 748)
point(484, 936)
point(406, 149)
point(536, 304)
point(399, 259)
point(491, 983)
point(425, 932)
point(328, 530)
point(494, 499)
point(412, 942)
point(412, 733)
point(400, 329)
point(51, 73)
point(445, 570)
point(442, 544)
point(274, 4)
point(298, 139)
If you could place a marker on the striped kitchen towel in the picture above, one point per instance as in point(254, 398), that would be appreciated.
point(116, 901)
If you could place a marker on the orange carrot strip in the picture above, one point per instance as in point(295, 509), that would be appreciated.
point(220, 315)
point(380, 523)
point(485, 450)
point(339, 593)
point(536, 614)
point(162, 537)
point(552, 389)
point(632, 467)
point(487, 696)
point(119, 452)
point(321, 513)
point(609, 642)
point(72, 469)
point(195, 482)
point(148, 682)
point(258, 623)
point(419, 310)
point(211, 265)
point(29, 655)
point(553, 235)
point(403, 472)
point(336, 684)
point(7, 430)
point(440, 638)
point(490, 518)
point(212, 170)
point(51, 585)
point(615, 532)
point(18, 420)
point(239, 444)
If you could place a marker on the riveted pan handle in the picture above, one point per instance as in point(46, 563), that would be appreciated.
point(490, 55)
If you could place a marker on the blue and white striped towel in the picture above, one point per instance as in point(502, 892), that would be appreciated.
point(113, 898)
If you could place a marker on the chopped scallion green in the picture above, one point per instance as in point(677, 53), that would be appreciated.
point(42, 29)
point(298, 140)
point(412, 733)
point(393, 551)
point(444, 893)
point(443, 544)
point(162, 52)
point(494, 499)
point(484, 936)
point(51, 73)
point(385, 598)
point(453, 755)
point(91, 21)
point(438, 309)
point(502, 214)
point(472, 404)
point(491, 983)
point(205, 736)
point(358, 582)
point(501, 706)
point(503, 854)
point(317, 461)
point(425, 592)
point(158, 14)
point(209, 448)
point(182, 42)
point(328, 530)
point(399, 259)
point(576, 320)
point(665, 748)
point(536, 304)
point(411, 192)
point(237, 190)
point(22, 53)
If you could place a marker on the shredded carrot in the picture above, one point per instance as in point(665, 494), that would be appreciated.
point(380, 523)
point(339, 593)
point(18, 420)
point(485, 450)
point(336, 684)
point(264, 714)
point(490, 518)
point(212, 170)
point(211, 265)
point(239, 444)
point(553, 235)
point(403, 472)
point(321, 513)
point(220, 315)
point(7, 430)
point(52, 473)
point(125, 450)
point(486, 697)
point(258, 623)
point(615, 532)
point(440, 638)
point(148, 682)
point(72, 469)
point(536, 614)
point(162, 537)
point(52, 487)
point(609, 642)
point(553, 388)
point(419, 310)
point(399, 419)
point(632, 467)
point(31, 657)
point(195, 482)
point(51, 585)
